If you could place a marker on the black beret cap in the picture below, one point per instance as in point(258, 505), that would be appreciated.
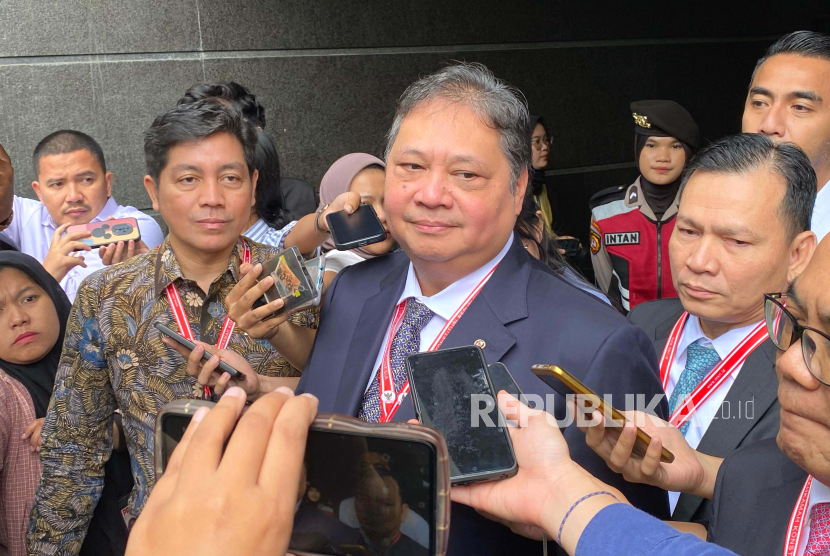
point(667, 118)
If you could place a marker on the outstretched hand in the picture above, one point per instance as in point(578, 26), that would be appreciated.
point(238, 502)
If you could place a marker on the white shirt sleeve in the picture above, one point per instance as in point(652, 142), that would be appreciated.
point(23, 209)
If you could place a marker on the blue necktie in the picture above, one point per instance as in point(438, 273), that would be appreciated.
point(407, 341)
point(699, 361)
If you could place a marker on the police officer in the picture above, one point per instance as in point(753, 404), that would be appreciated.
point(631, 226)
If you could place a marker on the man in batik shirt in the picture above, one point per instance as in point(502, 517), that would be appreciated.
point(200, 177)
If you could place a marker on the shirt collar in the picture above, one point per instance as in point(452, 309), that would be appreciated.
point(723, 344)
point(446, 302)
point(110, 208)
point(168, 270)
point(820, 222)
point(819, 493)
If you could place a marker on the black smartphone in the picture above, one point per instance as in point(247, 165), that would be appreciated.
point(451, 389)
point(362, 227)
point(188, 344)
point(361, 484)
point(503, 380)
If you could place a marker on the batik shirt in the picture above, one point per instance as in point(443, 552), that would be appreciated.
point(113, 358)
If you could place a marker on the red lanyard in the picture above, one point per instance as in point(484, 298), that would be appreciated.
point(796, 526)
point(183, 323)
point(716, 376)
point(389, 402)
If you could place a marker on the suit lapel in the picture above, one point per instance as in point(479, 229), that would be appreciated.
point(756, 381)
point(501, 301)
point(367, 339)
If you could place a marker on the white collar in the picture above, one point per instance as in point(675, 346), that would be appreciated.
point(819, 493)
point(445, 302)
point(110, 208)
point(820, 222)
point(723, 344)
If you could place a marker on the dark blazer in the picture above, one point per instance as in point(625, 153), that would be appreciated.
point(755, 494)
point(755, 387)
point(526, 315)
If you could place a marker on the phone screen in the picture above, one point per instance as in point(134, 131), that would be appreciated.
point(444, 383)
point(362, 227)
point(357, 494)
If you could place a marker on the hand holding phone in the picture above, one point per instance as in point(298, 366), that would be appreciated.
point(107, 232)
point(248, 491)
point(450, 389)
point(370, 470)
point(362, 227)
point(191, 346)
point(566, 384)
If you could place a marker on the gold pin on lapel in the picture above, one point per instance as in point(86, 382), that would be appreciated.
point(481, 344)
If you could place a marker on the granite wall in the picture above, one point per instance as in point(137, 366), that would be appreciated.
point(329, 71)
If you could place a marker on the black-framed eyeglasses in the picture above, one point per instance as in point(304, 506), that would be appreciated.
point(538, 142)
point(784, 331)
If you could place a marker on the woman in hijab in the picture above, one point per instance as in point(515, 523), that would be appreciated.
point(364, 174)
point(33, 314)
point(631, 226)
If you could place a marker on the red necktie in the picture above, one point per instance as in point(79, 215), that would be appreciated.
point(819, 541)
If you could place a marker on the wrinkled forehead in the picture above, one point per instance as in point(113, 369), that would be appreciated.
point(14, 280)
point(810, 291)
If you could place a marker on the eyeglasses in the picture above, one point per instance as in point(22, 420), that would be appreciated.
point(784, 331)
point(537, 142)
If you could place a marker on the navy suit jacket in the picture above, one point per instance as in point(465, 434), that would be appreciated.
point(525, 314)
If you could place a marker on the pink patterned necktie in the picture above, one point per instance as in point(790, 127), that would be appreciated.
point(818, 543)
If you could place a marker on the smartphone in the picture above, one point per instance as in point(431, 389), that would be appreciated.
point(568, 244)
point(565, 383)
point(188, 344)
point(108, 231)
point(357, 477)
point(448, 387)
point(362, 227)
point(503, 380)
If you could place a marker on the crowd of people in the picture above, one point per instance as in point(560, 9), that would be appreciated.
point(703, 288)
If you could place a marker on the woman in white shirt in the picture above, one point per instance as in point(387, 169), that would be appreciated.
point(364, 174)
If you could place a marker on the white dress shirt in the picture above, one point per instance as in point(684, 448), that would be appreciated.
point(820, 224)
point(261, 232)
point(819, 494)
point(443, 304)
point(710, 409)
point(32, 228)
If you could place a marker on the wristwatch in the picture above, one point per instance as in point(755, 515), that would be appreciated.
point(320, 211)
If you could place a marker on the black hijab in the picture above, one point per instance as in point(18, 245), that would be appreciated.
point(38, 377)
point(659, 197)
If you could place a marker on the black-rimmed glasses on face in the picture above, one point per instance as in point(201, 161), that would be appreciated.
point(784, 331)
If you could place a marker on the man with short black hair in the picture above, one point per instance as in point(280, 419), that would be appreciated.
point(200, 176)
point(73, 187)
point(789, 100)
point(742, 231)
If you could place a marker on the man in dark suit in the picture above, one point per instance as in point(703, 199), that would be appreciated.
point(456, 178)
point(728, 250)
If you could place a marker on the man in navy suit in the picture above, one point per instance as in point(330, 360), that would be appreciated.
point(457, 173)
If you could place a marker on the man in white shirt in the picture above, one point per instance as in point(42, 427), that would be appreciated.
point(73, 187)
point(742, 231)
point(789, 100)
